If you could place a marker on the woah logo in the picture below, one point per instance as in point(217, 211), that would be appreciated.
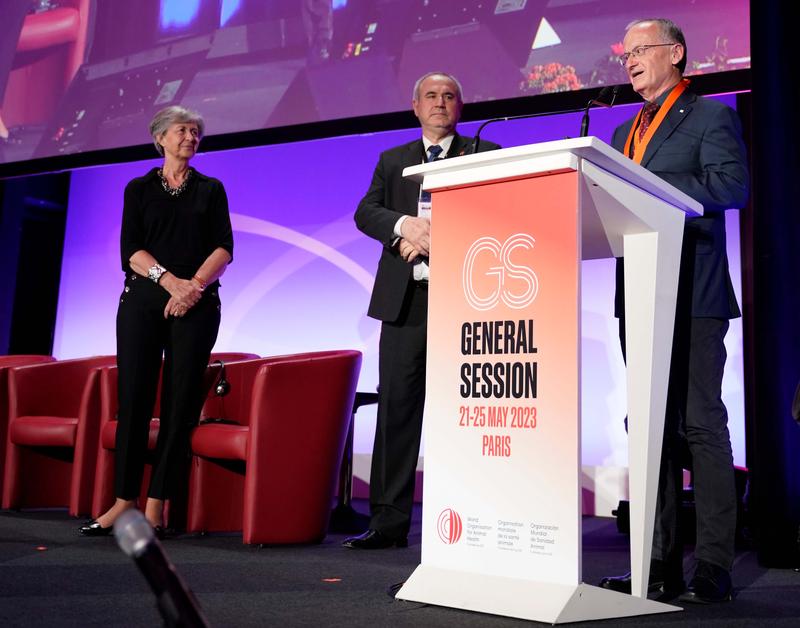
point(490, 275)
point(449, 526)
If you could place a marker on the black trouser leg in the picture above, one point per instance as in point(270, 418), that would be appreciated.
point(189, 343)
point(709, 441)
point(141, 330)
point(400, 407)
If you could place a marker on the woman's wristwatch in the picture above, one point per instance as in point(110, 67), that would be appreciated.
point(155, 272)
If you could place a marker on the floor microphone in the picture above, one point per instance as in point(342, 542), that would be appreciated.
point(176, 602)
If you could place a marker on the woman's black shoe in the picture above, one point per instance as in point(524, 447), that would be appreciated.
point(95, 529)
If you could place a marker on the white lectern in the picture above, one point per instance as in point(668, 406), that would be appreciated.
point(502, 516)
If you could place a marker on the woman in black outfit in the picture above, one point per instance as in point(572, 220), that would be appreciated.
point(176, 241)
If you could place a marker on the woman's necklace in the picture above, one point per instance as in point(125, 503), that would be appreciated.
point(170, 190)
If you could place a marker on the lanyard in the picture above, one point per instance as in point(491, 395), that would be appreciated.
point(640, 146)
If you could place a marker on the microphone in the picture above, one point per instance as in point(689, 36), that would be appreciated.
point(601, 99)
point(476, 140)
point(176, 602)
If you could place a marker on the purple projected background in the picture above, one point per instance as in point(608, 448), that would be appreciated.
point(302, 273)
point(252, 64)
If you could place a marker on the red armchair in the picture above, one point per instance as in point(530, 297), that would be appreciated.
point(7, 362)
point(272, 471)
point(51, 48)
point(103, 496)
point(53, 420)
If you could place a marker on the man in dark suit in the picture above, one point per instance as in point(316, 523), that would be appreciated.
point(696, 145)
point(396, 213)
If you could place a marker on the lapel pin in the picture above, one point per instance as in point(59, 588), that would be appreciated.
point(680, 111)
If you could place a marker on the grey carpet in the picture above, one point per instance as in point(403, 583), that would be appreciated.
point(49, 576)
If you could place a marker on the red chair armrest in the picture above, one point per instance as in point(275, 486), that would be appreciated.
point(215, 440)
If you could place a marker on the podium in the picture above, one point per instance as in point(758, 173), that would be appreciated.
point(501, 524)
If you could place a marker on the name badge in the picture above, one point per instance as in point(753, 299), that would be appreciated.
point(424, 209)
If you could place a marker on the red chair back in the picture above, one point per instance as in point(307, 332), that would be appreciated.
point(7, 362)
point(295, 411)
point(51, 442)
point(54, 389)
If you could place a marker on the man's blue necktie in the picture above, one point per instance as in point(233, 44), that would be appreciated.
point(433, 153)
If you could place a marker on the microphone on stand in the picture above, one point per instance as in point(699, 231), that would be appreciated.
point(176, 602)
point(476, 140)
point(600, 100)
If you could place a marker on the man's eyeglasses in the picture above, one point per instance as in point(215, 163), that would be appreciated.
point(638, 52)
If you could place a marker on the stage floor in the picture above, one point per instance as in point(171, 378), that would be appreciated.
point(50, 576)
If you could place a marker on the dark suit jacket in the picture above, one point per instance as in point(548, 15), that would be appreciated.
point(388, 198)
point(699, 149)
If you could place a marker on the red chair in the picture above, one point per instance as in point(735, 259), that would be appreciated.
point(7, 362)
point(53, 421)
point(271, 470)
point(51, 48)
point(103, 496)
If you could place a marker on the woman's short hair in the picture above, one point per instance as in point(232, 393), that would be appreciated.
point(168, 116)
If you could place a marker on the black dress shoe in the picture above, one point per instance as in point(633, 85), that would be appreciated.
point(372, 539)
point(658, 582)
point(95, 529)
point(709, 585)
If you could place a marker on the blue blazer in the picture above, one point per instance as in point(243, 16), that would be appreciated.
point(698, 148)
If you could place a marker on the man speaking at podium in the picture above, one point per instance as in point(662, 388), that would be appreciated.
point(696, 145)
point(396, 213)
